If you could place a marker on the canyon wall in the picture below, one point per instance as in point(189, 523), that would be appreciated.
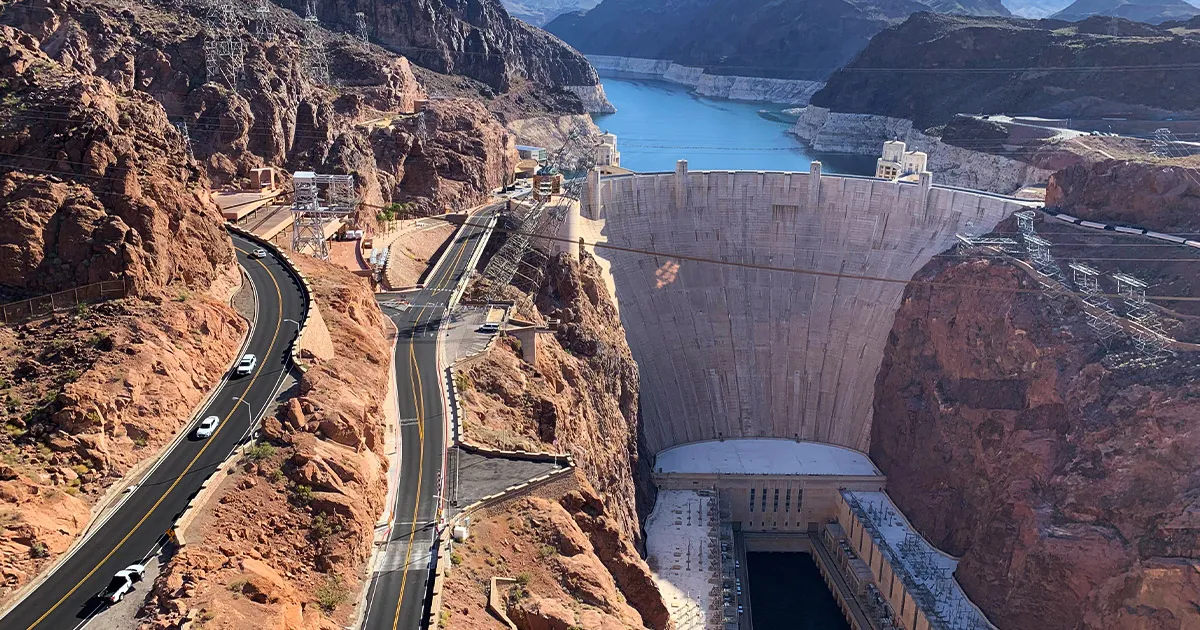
point(96, 186)
point(864, 134)
point(1060, 472)
point(1161, 195)
point(277, 116)
point(578, 544)
point(737, 88)
point(749, 348)
point(933, 67)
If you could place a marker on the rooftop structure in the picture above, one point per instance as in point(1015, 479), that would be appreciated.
point(914, 576)
point(768, 456)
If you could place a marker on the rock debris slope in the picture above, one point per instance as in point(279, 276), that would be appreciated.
point(105, 191)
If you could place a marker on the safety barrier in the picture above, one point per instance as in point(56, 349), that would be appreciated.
point(305, 289)
point(62, 300)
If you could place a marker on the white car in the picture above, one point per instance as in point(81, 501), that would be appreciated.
point(258, 253)
point(122, 583)
point(207, 427)
point(246, 365)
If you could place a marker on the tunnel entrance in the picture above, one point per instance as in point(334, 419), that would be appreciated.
point(787, 592)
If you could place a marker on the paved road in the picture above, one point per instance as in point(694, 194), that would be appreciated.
point(398, 590)
point(66, 599)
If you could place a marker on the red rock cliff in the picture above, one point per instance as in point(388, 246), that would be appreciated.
point(1066, 480)
point(1163, 195)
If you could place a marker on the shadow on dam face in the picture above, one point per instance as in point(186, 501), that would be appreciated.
point(736, 350)
point(788, 593)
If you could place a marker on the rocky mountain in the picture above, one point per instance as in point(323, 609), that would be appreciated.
point(95, 185)
point(474, 38)
point(761, 38)
point(957, 64)
point(277, 115)
point(540, 12)
point(1062, 475)
point(1151, 11)
point(1035, 9)
point(1162, 196)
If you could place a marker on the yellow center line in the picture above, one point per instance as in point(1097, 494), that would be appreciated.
point(419, 406)
point(183, 474)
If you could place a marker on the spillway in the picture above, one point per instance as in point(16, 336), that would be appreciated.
point(751, 349)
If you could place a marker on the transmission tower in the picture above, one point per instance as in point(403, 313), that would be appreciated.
point(1148, 327)
point(312, 211)
point(264, 21)
point(1161, 145)
point(312, 47)
point(543, 219)
point(360, 27)
point(1100, 317)
point(182, 128)
point(224, 50)
point(422, 126)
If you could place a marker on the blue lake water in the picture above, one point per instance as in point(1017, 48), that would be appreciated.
point(658, 123)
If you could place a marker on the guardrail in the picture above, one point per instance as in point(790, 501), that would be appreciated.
point(305, 288)
point(61, 300)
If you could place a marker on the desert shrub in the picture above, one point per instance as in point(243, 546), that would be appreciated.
point(332, 593)
point(259, 452)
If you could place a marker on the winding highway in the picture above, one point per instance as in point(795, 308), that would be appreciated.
point(400, 583)
point(66, 598)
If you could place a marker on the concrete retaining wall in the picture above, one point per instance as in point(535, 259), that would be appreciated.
point(730, 350)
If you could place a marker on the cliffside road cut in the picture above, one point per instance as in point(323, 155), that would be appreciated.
point(400, 583)
point(66, 599)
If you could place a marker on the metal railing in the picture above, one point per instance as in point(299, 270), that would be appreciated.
point(62, 300)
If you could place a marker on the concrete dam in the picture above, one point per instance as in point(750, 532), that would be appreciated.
point(750, 349)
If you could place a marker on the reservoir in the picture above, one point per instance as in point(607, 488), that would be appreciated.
point(658, 123)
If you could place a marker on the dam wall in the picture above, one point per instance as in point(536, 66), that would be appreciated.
point(864, 134)
point(734, 88)
point(752, 348)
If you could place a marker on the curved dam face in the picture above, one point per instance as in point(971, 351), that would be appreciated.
point(730, 351)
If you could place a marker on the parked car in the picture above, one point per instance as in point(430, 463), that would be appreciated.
point(122, 583)
point(246, 365)
point(207, 427)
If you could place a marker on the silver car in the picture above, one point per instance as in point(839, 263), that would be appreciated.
point(207, 427)
point(258, 253)
point(246, 365)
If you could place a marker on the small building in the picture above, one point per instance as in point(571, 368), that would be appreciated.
point(537, 154)
point(899, 163)
point(526, 168)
